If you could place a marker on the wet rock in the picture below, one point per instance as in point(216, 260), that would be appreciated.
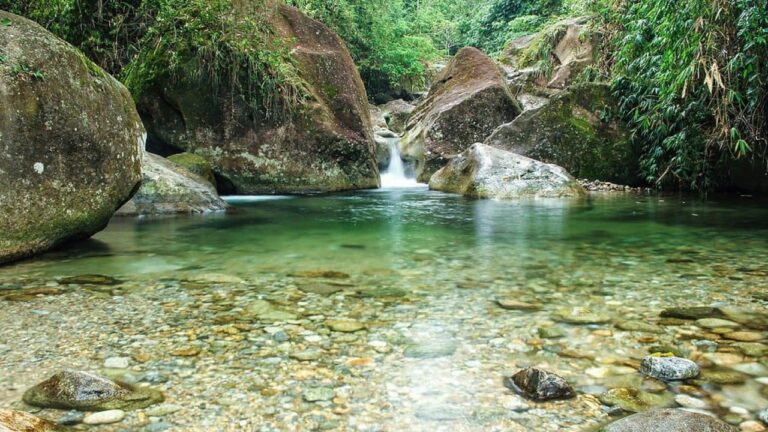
point(639, 326)
point(345, 326)
point(71, 418)
point(713, 323)
point(384, 292)
point(19, 421)
point(763, 416)
point(104, 417)
point(320, 274)
point(580, 316)
point(551, 332)
point(744, 336)
point(513, 304)
point(435, 411)
point(117, 362)
point(539, 385)
point(632, 400)
point(308, 355)
point(318, 394)
point(722, 377)
point(187, 351)
point(483, 171)
point(320, 289)
point(196, 165)
point(163, 410)
point(264, 310)
point(668, 420)
point(90, 279)
point(397, 113)
point(690, 402)
point(83, 391)
point(431, 349)
point(752, 349)
point(669, 368)
point(751, 426)
point(754, 319)
point(692, 313)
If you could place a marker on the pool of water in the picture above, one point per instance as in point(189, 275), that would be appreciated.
point(251, 293)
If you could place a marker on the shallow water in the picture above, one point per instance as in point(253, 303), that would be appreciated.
point(443, 260)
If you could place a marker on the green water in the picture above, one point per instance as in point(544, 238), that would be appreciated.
point(189, 280)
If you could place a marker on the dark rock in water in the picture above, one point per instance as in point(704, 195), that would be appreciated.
point(19, 421)
point(90, 279)
point(669, 368)
point(692, 313)
point(668, 420)
point(320, 274)
point(71, 142)
point(539, 385)
point(83, 391)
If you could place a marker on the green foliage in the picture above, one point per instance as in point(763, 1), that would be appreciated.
point(691, 79)
point(538, 53)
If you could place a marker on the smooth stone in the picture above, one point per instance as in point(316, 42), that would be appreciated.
point(308, 355)
point(90, 279)
point(320, 289)
point(752, 349)
point(318, 394)
point(669, 368)
point(117, 362)
point(551, 332)
point(763, 416)
point(384, 292)
point(690, 402)
point(320, 274)
point(639, 326)
point(71, 418)
point(580, 316)
point(163, 410)
point(753, 369)
point(744, 336)
point(751, 426)
point(345, 326)
point(724, 359)
point(539, 385)
point(668, 420)
point(104, 417)
point(632, 400)
point(512, 304)
point(714, 323)
point(264, 310)
point(431, 349)
point(722, 377)
point(20, 421)
point(692, 313)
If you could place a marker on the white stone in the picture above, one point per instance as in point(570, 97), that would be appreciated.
point(690, 402)
point(117, 362)
point(38, 167)
point(104, 417)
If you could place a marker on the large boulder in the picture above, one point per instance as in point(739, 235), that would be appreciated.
point(486, 172)
point(669, 420)
point(169, 188)
point(195, 164)
point(70, 142)
point(324, 145)
point(576, 131)
point(396, 113)
point(466, 103)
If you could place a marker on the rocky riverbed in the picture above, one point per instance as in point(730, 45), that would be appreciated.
point(421, 340)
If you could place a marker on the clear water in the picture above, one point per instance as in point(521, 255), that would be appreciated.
point(625, 256)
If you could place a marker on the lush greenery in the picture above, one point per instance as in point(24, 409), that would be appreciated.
point(692, 78)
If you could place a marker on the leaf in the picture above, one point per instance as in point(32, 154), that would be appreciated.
point(5, 22)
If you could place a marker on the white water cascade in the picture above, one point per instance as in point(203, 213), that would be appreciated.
point(395, 177)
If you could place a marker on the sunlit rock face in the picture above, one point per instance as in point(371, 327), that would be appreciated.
point(326, 144)
point(70, 142)
point(486, 172)
point(466, 103)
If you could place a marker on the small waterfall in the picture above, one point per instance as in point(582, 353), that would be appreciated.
point(395, 175)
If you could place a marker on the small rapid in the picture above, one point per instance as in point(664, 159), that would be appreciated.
point(395, 176)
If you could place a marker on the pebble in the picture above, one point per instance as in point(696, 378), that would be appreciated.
point(690, 402)
point(318, 394)
point(744, 336)
point(162, 410)
point(104, 417)
point(763, 416)
point(71, 418)
point(713, 323)
point(539, 385)
point(308, 355)
point(345, 326)
point(751, 426)
point(512, 304)
point(669, 368)
point(117, 362)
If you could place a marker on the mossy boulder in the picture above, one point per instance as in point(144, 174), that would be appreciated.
point(168, 188)
point(576, 130)
point(396, 113)
point(466, 103)
point(325, 144)
point(70, 142)
point(669, 420)
point(196, 165)
point(486, 172)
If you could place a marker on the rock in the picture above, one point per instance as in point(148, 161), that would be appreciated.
point(70, 144)
point(692, 313)
point(187, 351)
point(71, 418)
point(571, 131)
point(722, 377)
point(539, 385)
point(19, 421)
point(320, 289)
point(686, 401)
point(397, 113)
point(632, 400)
point(751, 426)
point(512, 304)
point(263, 310)
point(744, 336)
point(377, 117)
point(163, 410)
point(91, 279)
point(487, 172)
point(83, 391)
point(573, 49)
point(669, 368)
point(433, 348)
point(308, 355)
point(117, 362)
point(752, 349)
point(196, 165)
point(754, 319)
point(713, 323)
point(318, 394)
point(579, 316)
point(168, 188)
point(763, 416)
point(639, 326)
point(669, 420)
point(324, 144)
point(104, 417)
point(466, 103)
point(551, 332)
point(345, 326)
point(320, 274)
point(384, 292)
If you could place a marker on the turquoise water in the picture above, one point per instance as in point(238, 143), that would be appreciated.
point(414, 268)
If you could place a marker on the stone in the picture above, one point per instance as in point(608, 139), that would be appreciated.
point(639, 326)
point(264, 310)
point(713, 323)
point(325, 143)
point(752, 349)
point(117, 362)
point(722, 377)
point(570, 131)
point(196, 165)
point(751, 318)
point(307, 355)
point(551, 332)
point(71, 142)
point(19, 421)
point(187, 351)
point(486, 172)
point(686, 401)
point(384, 292)
point(345, 326)
point(468, 100)
point(396, 114)
point(163, 410)
point(90, 279)
point(436, 411)
point(429, 349)
point(104, 417)
point(763, 416)
point(579, 316)
point(318, 394)
point(320, 289)
point(632, 400)
point(168, 188)
point(669, 368)
point(744, 336)
point(83, 391)
point(669, 420)
point(539, 385)
point(71, 418)
point(512, 304)
point(751, 426)
point(692, 313)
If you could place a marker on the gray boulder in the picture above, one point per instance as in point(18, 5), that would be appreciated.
point(396, 114)
point(668, 420)
point(486, 172)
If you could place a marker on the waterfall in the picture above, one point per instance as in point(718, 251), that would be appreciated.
point(395, 175)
